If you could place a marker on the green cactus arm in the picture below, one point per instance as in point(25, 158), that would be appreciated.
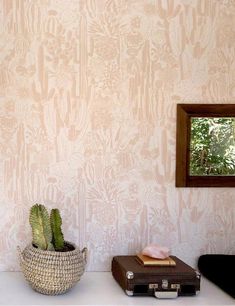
point(57, 235)
point(41, 229)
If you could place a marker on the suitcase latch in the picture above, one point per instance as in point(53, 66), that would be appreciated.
point(175, 286)
point(153, 286)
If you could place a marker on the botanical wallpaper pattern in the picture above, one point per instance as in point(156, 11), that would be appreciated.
point(88, 94)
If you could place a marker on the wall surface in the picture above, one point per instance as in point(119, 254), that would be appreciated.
point(88, 94)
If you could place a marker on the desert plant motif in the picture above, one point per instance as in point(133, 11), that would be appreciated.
point(94, 97)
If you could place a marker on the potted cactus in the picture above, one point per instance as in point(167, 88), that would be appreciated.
point(50, 264)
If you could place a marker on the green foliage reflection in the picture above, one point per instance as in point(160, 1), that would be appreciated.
point(212, 146)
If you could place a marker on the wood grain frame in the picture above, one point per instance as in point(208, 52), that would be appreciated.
point(183, 128)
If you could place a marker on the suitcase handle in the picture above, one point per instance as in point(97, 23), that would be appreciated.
point(166, 294)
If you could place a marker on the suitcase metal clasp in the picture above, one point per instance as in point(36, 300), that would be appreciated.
point(153, 286)
point(164, 284)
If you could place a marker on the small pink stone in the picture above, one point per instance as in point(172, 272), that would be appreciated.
point(156, 251)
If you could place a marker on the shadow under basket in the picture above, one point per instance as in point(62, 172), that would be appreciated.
point(51, 272)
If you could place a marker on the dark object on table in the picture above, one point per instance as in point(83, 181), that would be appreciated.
point(161, 282)
point(219, 269)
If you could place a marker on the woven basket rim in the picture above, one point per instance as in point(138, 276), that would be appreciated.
point(54, 253)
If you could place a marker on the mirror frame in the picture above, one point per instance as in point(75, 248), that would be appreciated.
point(183, 129)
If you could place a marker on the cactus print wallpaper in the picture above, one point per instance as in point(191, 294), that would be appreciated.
point(88, 94)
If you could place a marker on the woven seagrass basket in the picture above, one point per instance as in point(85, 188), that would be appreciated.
point(51, 272)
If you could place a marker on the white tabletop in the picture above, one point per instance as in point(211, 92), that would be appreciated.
point(99, 288)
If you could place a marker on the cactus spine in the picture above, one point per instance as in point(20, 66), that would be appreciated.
point(57, 235)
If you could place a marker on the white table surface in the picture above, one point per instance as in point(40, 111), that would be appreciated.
point(99, 288)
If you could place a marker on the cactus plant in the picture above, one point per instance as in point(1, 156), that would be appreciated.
point(46, 230)
point(50, 272)
point(57, 235)
point(41, 228)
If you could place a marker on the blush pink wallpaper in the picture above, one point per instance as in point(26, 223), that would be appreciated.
point(88, 94)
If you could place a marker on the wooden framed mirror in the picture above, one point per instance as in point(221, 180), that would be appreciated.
point(205, 145)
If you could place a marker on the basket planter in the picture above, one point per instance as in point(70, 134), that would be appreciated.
point(51, 272)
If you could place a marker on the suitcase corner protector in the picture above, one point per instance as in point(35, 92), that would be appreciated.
point(129, 292)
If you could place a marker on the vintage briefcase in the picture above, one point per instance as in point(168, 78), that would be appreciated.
point(159, 281)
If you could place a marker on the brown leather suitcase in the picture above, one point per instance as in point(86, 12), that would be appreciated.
point(159, 281)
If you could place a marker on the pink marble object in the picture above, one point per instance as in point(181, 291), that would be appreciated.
point(156, 251)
